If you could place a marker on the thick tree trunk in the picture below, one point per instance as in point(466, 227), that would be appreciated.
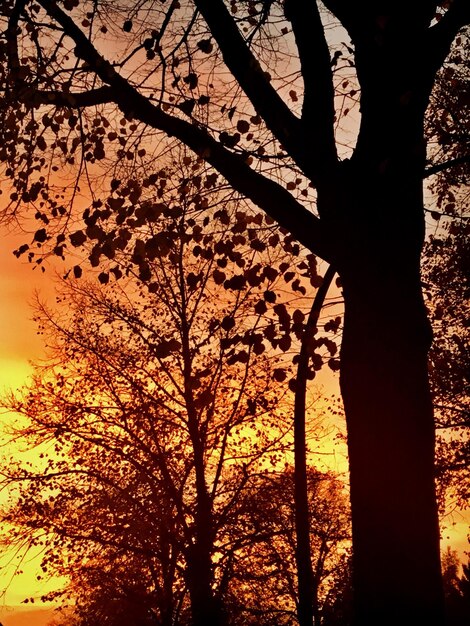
point(384, 384)
point(391, 454)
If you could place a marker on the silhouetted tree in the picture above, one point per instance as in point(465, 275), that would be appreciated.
point(264, 556)
point(177, 70)
point(456, 589)
point(446, 272)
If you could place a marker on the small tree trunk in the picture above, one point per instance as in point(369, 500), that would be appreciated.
point(206, 611)
point(307, 594)
point(204, 607)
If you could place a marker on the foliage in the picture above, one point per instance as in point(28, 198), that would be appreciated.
point(445, 273)
point(448, 133)
point(155, 387)
point(267, 561)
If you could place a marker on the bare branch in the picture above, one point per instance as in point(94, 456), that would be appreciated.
point(318, 109)
point(440, 167)
point(101, 95)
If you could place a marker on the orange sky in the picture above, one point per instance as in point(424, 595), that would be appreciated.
point(19, 343)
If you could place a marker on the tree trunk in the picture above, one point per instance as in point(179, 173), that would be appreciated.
point(384, 384)
point(307, 607)
point(206, 610)
point(204, 607)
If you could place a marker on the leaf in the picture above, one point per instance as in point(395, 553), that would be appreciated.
point(285, 343)
point(77, 238)
point(229, 140)
point(237, 282)
point(228, 323)
point(334, 364)
point(69, 5)
point(260, 307)
point(41, 143)
point(269, 296)
point(270, 273)
point(205, 45)
point(145, 273)
point(187, 106)
point(279, 374)
point(193, 280)
point(21, 250)
point(40, 235)
point(165, 348)
point(243, 126)
point(99, 152)
point(259, 348)
point(219, 277)
point(191, 80)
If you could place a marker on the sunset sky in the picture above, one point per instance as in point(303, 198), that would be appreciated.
point(19, 344)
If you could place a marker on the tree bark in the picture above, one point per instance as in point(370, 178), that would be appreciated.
point(384, 384)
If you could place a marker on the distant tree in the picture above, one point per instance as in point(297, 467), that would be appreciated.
point(447, 128)
point(456, 589)
point(264, 558)
point(446, 271)
point(112, 590)
point(135, 451)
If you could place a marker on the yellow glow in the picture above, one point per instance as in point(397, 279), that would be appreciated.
point(19, 344)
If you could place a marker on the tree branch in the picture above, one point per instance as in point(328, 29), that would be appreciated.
point(318, 109)
point(244, 66)
point(11, 35)
point(302, 522)
point(94, 97)
point(440, 167)
point(268, 195)
point(441, 36)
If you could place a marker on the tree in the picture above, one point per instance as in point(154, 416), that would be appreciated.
point(445, 275)
point(445, 272)
point(160, 415)
point(168, 65)
point(265, 556)
point(120, 486)
point(456, 588)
